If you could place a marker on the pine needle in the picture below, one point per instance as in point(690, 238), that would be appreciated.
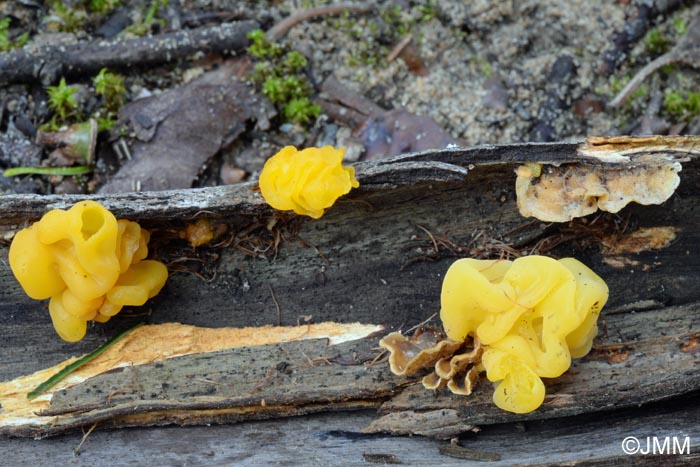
point(78, 363)
point(77, 170)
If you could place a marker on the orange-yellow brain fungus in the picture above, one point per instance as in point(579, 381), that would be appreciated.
point(307, 181)
point(532, 315)
point(88, 263)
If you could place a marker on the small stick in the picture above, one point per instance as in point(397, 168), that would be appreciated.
point(53, 61)
point(435, 245)
point(421, 323)
point(398, 48)
point(76, 451)
point(636, 81)
point(279, 30)
point(277, 305)
point(687, 51)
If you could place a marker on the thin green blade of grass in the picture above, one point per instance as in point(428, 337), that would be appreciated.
point(78, 170)
point(78, 363)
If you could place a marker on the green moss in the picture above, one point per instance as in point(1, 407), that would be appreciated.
point(144, 25)
point(683, 106)
point(484, 66)
point(374, 35)
point(294, 62)
point(62, 102)
point(261, 48)
point(111, 87)
point(657, 42)
point(5, 43)
point(67, 19)
point(280, 75)
point(640, 93)
point(680, 25)
point(617, 83)
point(301, 110)
point(102, 6)
point(428, 11)
point(76, 14)
point(635, 100)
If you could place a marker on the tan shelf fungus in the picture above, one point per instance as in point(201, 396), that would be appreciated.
point(559, 194)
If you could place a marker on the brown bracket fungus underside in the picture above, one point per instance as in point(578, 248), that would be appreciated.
point(454, 364)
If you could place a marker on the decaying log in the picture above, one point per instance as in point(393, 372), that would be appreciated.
point(50, 62)
point(379, 256)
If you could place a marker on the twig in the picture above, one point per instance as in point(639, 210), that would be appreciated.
point(53, 61)
point(636, 81)
point(318, 252)
point(686, 51)
point(634, 29)
point(435, 245)
point(398, 48)
point(422, 323)
point(76, 451)
point(378, 358)
point(277, 305)
point(279, 30)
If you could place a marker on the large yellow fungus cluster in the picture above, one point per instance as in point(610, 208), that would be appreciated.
point(532, 315)
point(308, 181)
point(89, 264)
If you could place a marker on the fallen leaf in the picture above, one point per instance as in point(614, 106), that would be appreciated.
point(176, 133)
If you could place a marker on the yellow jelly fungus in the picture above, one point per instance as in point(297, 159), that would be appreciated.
point(532, 315)
point(88, 263)
point(307, 181)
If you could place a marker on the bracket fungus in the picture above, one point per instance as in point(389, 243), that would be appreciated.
point(307, 181)
point(519, 321)
point(88, 263)
point(452, 364)
point(559, 194)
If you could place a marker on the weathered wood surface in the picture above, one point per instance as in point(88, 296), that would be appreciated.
point(332, 439)
point(309, 376)
point(358, 263)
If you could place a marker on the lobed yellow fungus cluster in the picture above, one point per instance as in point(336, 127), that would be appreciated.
point(89, 264)
point(532, 315)
point(307, 181)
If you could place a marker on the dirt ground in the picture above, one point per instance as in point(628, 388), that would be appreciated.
point(466, 73)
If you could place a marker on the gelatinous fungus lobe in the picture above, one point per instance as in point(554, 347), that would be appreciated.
point(88, 263)
point(520, 321)
point(532, 315)
point(308, 181)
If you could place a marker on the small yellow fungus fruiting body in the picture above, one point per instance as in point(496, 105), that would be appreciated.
point(89, 264)
point(532, 315)
point(307, 181)
point(198, 233)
